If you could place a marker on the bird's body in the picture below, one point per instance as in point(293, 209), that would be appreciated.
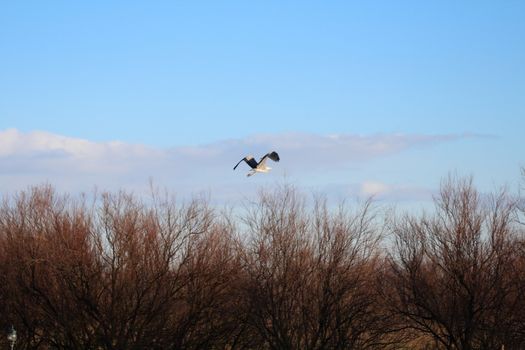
point(259, 167)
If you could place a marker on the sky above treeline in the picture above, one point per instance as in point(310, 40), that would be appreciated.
point(358, 98)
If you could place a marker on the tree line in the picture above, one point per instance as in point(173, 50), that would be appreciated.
point(118, 272)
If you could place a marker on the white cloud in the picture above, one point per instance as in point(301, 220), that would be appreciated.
point(76, 164)
point(13, 142)
point(396, 192)
point(378, 190)
point(373, 188)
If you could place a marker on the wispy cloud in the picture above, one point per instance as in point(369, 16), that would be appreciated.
point(33, 157)
point(380, 191)
point(342, 149)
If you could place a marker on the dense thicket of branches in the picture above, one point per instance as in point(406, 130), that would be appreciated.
point(116, 273)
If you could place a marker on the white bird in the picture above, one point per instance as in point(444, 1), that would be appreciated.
point(258, 167)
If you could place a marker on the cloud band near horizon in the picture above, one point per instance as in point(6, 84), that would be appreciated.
point(29, 158)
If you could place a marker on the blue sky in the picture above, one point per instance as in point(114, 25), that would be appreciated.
point(357, 97)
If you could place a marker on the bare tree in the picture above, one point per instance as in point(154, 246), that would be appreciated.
point(309, 274)
point(43, 241)
point(452, 272)
point(116, 275)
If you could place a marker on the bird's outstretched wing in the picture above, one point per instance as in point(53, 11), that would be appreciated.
point(249, 160)
point(272, 155)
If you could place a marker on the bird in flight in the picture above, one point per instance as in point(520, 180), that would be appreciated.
point(259, 167)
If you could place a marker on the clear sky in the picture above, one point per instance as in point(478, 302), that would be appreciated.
point(358, 97)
